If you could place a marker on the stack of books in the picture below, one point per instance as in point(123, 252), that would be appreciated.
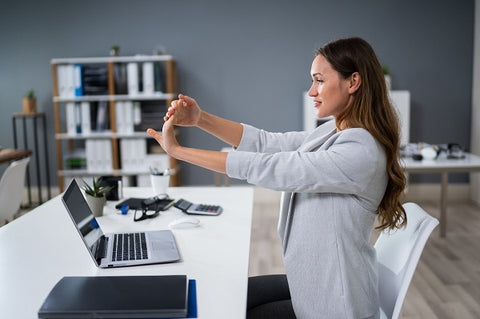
point(94, 80)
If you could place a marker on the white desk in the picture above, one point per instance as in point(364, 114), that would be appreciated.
point(41, 247)
point(444, 166)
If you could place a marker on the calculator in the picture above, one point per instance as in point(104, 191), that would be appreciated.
point(197, 209)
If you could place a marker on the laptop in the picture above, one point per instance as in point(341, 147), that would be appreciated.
point(121, 249)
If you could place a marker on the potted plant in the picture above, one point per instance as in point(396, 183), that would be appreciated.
point(95, 195)
point(115, 50)
point(29, 103)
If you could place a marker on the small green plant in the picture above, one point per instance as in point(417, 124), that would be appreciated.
point(96, 189)
point(385, 69)
point(30, 94)
point(114, 50)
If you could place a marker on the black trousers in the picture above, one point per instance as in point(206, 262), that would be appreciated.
point(269, 298)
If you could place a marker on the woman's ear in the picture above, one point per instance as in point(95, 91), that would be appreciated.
point(354, 82)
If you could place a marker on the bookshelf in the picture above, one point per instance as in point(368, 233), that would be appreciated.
point(102, 106)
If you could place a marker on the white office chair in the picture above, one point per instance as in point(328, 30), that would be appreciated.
point(398, 253)
point(11, 189)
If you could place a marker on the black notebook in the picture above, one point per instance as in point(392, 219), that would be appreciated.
point(117, 297)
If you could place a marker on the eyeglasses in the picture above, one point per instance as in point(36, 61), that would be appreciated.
point(144, 213)
point(150, 208)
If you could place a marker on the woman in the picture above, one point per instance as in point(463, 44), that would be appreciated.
point(335, 181)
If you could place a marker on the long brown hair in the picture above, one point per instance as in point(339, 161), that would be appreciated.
point(372, 110)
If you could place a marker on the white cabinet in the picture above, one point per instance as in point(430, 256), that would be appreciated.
point(401, 101)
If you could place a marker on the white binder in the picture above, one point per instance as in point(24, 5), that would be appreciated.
point(132, 78)
point(148, 78)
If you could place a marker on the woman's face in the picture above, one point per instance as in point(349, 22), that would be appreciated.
point(330, 92)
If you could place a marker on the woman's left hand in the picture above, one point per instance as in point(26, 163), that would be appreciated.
point(167, 140)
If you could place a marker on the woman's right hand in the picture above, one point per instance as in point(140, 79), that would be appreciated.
point(186, 110)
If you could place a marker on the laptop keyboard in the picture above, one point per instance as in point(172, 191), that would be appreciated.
point(129, 246)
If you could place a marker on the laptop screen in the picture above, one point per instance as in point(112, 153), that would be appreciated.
point(81, 214)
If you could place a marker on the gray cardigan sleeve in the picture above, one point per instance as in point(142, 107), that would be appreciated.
point(346, 163)
point(257, 140)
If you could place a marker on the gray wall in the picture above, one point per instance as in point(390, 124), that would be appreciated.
point(247, 60)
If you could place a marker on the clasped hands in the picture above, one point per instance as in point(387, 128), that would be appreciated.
point(182, 112)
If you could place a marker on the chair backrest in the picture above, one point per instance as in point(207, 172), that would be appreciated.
point(398, 253)
point(11, 189)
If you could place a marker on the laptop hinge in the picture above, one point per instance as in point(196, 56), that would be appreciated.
point(100, 248)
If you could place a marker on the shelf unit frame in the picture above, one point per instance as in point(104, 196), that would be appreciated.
point(60, 135)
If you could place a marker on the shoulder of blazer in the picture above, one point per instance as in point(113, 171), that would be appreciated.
point(356, 133)
point(359, 135)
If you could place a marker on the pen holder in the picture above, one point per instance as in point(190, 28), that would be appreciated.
point(160, 182)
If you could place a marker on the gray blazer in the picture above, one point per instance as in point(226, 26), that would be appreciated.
point(332, 184)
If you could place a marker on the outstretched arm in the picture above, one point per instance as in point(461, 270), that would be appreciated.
point(228, 131)
point(188, 113)
point(212, 160)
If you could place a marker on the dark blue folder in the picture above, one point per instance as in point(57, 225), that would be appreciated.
point(121, 297)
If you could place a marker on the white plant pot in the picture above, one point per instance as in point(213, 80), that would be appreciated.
point(388, 82)
point(96, 204)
